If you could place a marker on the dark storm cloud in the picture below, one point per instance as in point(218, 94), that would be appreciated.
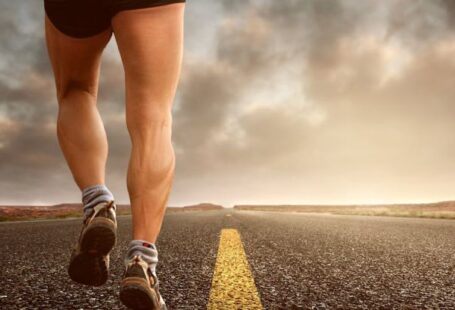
point(257, 41)
point(449, 7)
point(27, 92)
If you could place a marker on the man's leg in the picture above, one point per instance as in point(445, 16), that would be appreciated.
point(150, 42)
point(82, 138)
point(80, 131)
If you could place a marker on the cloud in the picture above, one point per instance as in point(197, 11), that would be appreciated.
point(289, 101)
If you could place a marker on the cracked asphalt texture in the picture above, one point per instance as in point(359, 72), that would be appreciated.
point(299, 261)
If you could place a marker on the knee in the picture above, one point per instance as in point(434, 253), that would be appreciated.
point(142, 119)
point(75, 86)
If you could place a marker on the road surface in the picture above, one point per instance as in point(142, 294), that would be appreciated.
point(277, 261)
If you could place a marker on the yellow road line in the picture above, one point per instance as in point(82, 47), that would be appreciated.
point(232, 284)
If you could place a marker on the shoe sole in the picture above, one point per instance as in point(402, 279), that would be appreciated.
point(89, 266)
point(100, 237)
point(136, 294)
point(88, 269)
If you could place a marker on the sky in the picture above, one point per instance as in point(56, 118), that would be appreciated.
point(279, 102)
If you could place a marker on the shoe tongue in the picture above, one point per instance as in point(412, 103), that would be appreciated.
point(112, 205)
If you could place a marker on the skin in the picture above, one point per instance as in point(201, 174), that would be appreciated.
point(150, 42)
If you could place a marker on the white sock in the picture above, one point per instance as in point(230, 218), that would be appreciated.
point(94, 194)
point(145, 249)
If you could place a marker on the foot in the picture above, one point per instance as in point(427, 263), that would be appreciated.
point(89, 262)
point(140, 287)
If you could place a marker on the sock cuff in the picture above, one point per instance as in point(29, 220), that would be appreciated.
point(94, 188)
point(143, 243)
point(146, 249)
point(94, 194)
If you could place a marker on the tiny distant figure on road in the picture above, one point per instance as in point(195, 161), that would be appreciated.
point(149, 35)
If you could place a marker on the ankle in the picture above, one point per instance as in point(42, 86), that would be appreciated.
point(93, 195)
point(146, 250)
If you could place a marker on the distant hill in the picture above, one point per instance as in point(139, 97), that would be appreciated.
point(66, 210)
point(443, 209)
point(203, 207)
point(63, 210)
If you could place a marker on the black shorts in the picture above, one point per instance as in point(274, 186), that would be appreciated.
point(85, 18)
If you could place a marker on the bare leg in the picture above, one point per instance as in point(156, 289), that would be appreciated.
point(150, 41)
point(80, 131)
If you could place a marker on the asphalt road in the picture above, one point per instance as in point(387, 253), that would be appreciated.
point(298, 261)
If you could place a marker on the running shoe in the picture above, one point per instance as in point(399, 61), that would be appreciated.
point(140, 286)
point(89, 262)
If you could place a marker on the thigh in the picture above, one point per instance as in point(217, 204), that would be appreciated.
point(150, 42)
point(75, 61)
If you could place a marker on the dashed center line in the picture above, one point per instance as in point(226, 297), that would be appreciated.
point(232, 284)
